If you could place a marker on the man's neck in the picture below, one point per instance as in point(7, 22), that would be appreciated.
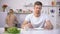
point(11, 14)
point(36, 15)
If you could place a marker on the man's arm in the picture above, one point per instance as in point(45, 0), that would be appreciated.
point(23, 24)
point(16, 19)
point(26, 24)
point(6, 20)
point(48, 25)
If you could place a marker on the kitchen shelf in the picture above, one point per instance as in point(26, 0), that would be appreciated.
point(45, 6)
point(51, 6)
point(22, 13)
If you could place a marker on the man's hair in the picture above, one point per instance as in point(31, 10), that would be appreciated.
point(38, 3)
point(11, 9)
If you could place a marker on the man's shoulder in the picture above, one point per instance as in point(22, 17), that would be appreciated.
point(44, 15)
point(29, 15)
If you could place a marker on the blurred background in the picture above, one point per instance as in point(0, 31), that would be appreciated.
point(24, 7)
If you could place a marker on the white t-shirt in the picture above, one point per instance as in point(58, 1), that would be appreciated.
point(37, 22)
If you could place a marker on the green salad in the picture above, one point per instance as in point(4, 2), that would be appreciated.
point(13, 30)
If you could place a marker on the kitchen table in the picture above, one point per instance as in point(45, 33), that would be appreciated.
point(36, 31)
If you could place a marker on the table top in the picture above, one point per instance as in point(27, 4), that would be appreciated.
point(35, 31)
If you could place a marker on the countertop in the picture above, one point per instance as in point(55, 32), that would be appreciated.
point(36, 31)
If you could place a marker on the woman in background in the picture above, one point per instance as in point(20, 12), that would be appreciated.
point(11, 19)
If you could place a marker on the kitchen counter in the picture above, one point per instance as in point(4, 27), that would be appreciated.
point(33, 31)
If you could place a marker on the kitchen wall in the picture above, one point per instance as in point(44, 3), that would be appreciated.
point(19, 4)
point(58, 0)
point(2, 19)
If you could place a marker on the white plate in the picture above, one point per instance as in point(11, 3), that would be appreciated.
point(39, 28)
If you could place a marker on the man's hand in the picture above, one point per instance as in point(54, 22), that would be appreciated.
point(30, 25)
point(26, 24)
point(48, 25)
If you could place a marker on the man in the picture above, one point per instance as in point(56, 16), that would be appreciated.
point(37, 19)
point(11, 19)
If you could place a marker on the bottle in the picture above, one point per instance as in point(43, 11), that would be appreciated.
point(6, 27)
point(53, 3)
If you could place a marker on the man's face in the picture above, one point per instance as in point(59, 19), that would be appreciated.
point(37, 9)
point(11, 11)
